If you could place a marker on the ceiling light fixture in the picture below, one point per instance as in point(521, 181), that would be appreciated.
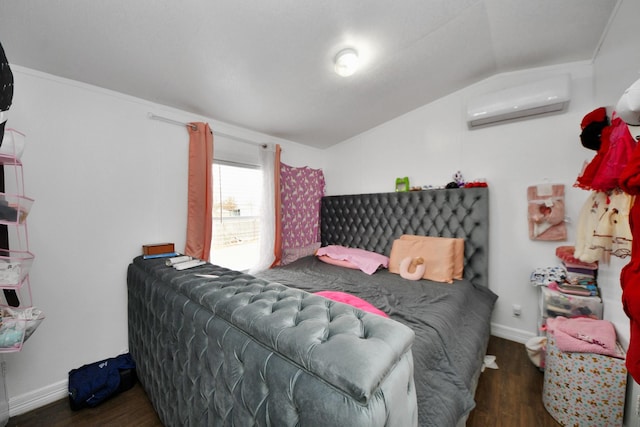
point(346, 62)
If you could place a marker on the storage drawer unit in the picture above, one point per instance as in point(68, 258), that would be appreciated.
point(555, 303)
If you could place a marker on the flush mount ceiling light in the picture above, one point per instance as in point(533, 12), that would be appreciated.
point(346, 62)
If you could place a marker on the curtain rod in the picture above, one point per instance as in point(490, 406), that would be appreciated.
point(175, 122)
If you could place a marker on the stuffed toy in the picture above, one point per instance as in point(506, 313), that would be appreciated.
point(412, 268)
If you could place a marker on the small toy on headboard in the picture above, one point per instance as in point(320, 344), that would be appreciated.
point(402, 184)
point(458, 181)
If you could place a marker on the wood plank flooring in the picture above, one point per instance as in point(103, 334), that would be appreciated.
point(510, 396)
point(507, 397)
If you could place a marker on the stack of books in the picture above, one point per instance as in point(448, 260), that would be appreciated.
point(159, 250)
point(174, 259)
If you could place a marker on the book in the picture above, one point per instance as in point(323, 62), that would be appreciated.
point(163, 255)
point(158, 248)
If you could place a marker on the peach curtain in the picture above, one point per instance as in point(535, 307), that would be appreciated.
point(200, 191)
point(277, 250)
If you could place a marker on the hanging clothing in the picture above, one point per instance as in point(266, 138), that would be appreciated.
point(6, 89)
point(622, 237)
point(621, 145)
point(592, 125)
point(590, 170)
point(612, 234)
point(591, 213)
point(630, 275)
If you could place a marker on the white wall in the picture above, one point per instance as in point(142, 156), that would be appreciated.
point(106, 179)
point(431, 143)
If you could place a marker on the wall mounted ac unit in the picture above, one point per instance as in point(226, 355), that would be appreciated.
point(531, 99)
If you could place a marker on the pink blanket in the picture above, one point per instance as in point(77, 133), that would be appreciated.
point(584, 335)
point(352, 300)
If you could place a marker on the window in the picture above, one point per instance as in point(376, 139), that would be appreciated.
point(237, 192)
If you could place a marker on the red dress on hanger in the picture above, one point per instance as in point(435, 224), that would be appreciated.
point(621, 146)
point(630, 276)
point(588, 174)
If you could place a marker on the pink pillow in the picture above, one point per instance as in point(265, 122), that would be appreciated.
point(338, 262)
point(352, 300)
point(367, 261)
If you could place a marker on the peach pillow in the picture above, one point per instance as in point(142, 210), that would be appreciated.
point(458, 252)
point(437, 254)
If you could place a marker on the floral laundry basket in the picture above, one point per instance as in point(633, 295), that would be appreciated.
point(584, 389)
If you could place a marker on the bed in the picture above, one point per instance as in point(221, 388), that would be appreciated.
point(226, 350)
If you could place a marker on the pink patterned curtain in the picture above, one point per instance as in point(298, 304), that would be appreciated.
point(300, 192)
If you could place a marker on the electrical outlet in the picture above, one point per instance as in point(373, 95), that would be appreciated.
point(517, 310)
point(638, 406)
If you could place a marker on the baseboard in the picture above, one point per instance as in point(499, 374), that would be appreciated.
point(37, 398)
point(511, 334)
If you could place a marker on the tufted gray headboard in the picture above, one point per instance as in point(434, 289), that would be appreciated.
point(374, 221)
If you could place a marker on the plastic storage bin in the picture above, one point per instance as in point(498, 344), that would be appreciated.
point(14, 268)
point(555, 303)
point(12, 143)
point(14, 208)
point(17, 326)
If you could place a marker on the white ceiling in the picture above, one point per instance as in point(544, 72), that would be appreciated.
point(266, 65)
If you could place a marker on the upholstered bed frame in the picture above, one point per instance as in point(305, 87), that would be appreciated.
point(219, 347)
point(373, 221)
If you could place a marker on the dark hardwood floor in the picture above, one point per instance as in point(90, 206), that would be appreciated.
point(506, 397)
point(510, 396)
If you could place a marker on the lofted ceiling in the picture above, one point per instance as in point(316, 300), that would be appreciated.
point(266, 65)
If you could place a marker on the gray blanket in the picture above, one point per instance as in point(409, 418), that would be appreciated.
point(451, 323)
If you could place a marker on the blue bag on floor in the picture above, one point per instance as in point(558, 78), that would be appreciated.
point(94, 383)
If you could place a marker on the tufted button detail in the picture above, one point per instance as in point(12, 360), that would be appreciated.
point(252, 351)
point(382, 217)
